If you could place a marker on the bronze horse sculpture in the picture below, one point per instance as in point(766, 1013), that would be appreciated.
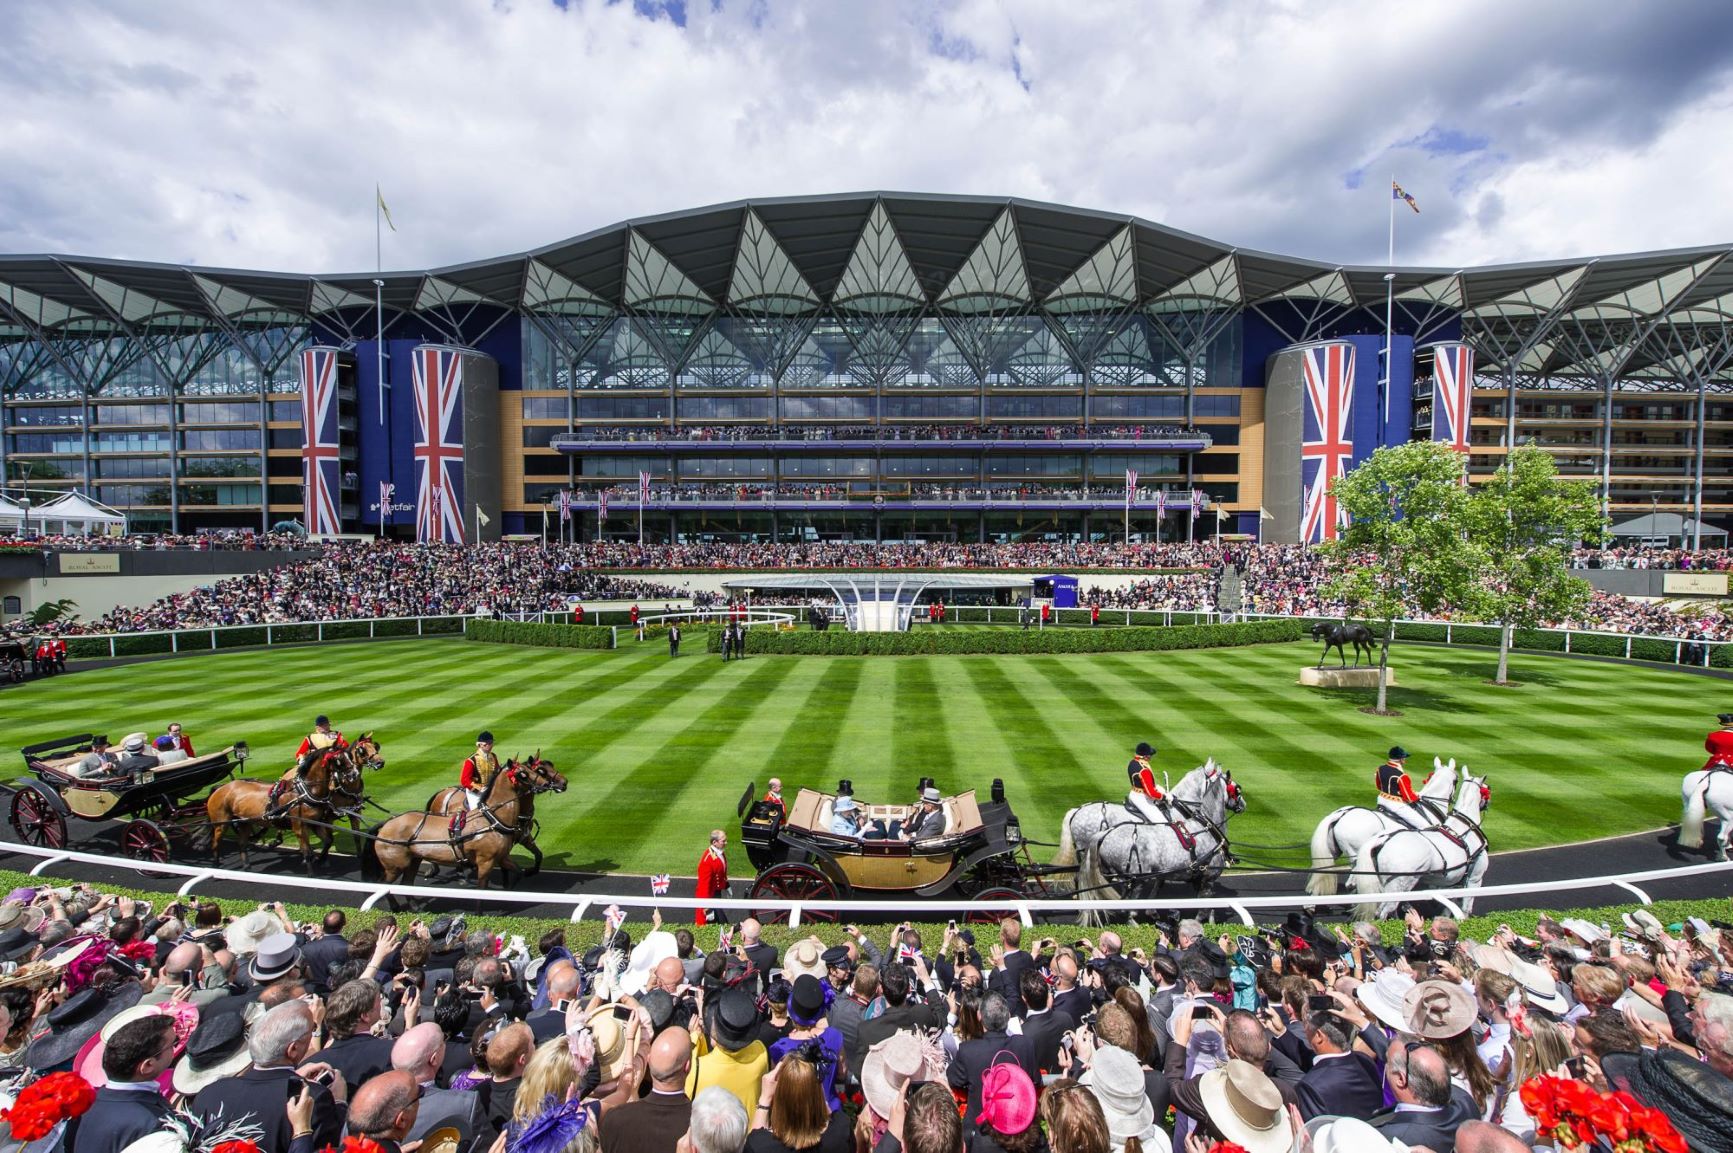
point(310, 797)
point(1335, 636)
point(448, 802)
point(402, 843)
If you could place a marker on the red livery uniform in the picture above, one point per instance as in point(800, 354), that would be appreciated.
point(180, 742)
point(317, 739)
point(776, 799)
point(712, 878)
point(1393, 783)
point(1143, 778)
point(1720, 746)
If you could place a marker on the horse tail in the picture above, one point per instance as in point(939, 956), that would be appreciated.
point(1691, 820)
point(1365, 879)
point(1067, 854)
point(1323, 882)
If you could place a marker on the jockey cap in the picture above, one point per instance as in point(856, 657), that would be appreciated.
point(1145, 749)
point(486, 738)
point(1398, 753)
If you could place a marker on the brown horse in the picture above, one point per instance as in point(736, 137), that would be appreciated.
point(490, 830)
point(330, 788)
point(448, 802)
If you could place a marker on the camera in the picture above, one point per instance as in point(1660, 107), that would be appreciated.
point(1441, 950)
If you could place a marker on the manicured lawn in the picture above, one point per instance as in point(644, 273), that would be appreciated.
point(658, 751)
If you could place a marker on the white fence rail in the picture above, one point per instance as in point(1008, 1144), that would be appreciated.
point(371, 893)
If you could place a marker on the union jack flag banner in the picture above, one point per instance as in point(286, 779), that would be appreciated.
point(319, 440)
point(1130, 485)
point(565, 506)
point(1328, 443)
point(1452, 394)
point(438, 445)
point(601, 505)
point(643, 488)
point(659, 884)
point(1160, 502)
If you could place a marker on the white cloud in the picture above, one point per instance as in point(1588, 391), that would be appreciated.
point(251, 136)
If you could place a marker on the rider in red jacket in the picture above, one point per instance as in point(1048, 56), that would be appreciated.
point(1720, 744)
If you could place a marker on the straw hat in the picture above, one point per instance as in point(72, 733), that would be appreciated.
point(1643, 923)
point(804, 959)
point(1384, 995)
point(245, 935)
point(1348, 1135)
point(1245, 1106)
point(88, 1063)
point(1539, 987)
point(1585, 931)
point(1116, 1080)
point(1437, 1010)
point(609, 1032)
point(891, 1064)
point(217, 1049)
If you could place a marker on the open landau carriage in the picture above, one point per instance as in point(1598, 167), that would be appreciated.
point(980, 855)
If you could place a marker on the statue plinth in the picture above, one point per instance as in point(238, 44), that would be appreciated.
point(1340, 678)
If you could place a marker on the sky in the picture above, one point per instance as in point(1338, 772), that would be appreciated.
point(253, 135)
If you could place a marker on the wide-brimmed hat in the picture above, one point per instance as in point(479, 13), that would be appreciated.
point(1643, 924)
point(735, 1025)
point(15, 942)
point(1384, 995)
point(1437, 1010)
point(1116, 1080)
point(76, 1021)
point(610, 1036)
point(1539, 987)
point(1695, 1098)
point(1585, 931)
point(804, 959)
point(1332, 1134)
point(843, 805)
point(245, 934)
point(656, 947)
point(276, 956)
point(1007, 1099)
point(932, 796)
point(891, 1064)
point(806, 1000)
point(88, 1063)
point(659, 1003)
point(1245, 1107)
point(11, 913)
point(1494, 957)
point(217, 1049)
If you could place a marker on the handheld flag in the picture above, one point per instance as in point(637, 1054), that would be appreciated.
point(659, 885)
point(384, 211)
point(1396, 193)
point(726, 940)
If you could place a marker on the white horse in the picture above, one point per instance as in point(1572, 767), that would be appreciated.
point(1341, 835)
point(1703, 790)
point(1120, 854)
point(1453, 855)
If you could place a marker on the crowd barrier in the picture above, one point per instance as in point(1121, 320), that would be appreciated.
point(371, 893)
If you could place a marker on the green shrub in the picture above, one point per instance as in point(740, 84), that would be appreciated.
point(543, 636)
point(241, 638)
point(442, 626)
point(835, 642)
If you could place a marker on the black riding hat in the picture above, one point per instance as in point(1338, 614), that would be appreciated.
point(1398, 753)
point(1725, 718)
point(1145, 749)
point(321, 719)
point(485, 736)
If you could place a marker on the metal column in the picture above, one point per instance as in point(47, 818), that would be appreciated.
point(1697, 470)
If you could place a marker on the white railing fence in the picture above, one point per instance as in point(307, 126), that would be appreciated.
point(581, 904)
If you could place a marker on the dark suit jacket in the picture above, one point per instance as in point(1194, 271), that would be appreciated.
point(358, 1058)
point(263, 1094)
point(1044, 1032)
point(652, 1125)
point(547, 1024)
point(972, 1060)
point(911, 1014)
point(1003, 980)
point(320, 955)
point(1435, 1129)
point(764, 958)
point(117, 1119)
point(1075, 1002)
point(1345, 1086)
point(458, 1108)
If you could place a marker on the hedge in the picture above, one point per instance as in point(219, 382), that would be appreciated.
point(833, 642)
point(543, 636)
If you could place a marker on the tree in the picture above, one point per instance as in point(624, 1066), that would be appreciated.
point(1524, 522)
point(1404, 550)
point(48, 612)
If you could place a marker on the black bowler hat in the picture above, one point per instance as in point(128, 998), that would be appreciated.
point(321, 719)
point(485, 736)
point(1398, 753)
point(1145, 749)
point(836, 957)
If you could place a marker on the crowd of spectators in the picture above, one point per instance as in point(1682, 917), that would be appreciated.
point(661, 492)
point(213, 540)
point(1650, 557)
point(125, 1029)
point(886, 432)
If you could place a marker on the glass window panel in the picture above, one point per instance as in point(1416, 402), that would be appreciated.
point(706, 408)
point(1109, 407)
point(847, 408)
point(1062, 407)
point(44, 416)
point(219, 439)
point(541, 435)
point(288, 437)
point(540, 465)
point(947, 466)
point(130, 414)
point(1147, 464)
point(1020, 465)
point(827, 466)
point(609, 408)
point(286, 410)
point(546, 407)
point(622, 466)
point(133, 442)
point(724, 468)
point(45, 442)
point(902, 406)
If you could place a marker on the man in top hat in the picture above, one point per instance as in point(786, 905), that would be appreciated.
point(1147, 798)
point(322, 737)
point(1720, 744)
point(131, 1105)
point(99, 762)
point(731, 1056)
point(475, 778)
point(928, 819)
point(1396, 795)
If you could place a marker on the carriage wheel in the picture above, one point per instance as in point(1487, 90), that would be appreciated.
point(144, 840)
point(36, 819)
point(994, 906)
point(790, 882)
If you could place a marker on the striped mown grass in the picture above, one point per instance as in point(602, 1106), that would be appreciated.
point(659, 750)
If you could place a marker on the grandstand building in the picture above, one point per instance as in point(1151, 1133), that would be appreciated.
point(870, 366)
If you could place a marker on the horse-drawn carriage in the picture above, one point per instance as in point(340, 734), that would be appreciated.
point(160, 819)
point(980, 855)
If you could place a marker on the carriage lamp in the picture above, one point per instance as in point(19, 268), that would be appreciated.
point(242, 752)
point(998, 793)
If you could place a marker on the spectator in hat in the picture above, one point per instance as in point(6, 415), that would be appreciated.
point(216, 1049)
point(731, 1055)
point(812, 1035)
point(1007, 1121)
point(1116, 1081)
point(968, 1068)
point(131, 1104)
point(656, 1122)
point(845, 820)
point(278, 1044)
point(1443, 1013)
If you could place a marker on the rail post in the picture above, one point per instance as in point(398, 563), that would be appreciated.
point(213, 640)
point(174, 642)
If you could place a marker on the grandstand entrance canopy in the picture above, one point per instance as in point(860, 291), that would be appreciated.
point(1678, 531)
point(76, 515)
point(882, 602)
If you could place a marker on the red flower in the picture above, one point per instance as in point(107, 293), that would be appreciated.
point(353, 1145)
point(1227, 1147)
point(45, 1103)
point(236, 1147)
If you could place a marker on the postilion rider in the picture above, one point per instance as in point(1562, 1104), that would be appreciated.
point(1147, 798)
point(1720, 745)
point(1396, 795)
point(475, 777)
point(322, 737)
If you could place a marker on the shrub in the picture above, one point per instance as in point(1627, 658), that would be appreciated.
point(1012, 640)
point(543, 636)
point(241, 638)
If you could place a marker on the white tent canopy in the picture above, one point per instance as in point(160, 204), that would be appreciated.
point(76, 515)
point(11, 515)
point(1669, 526)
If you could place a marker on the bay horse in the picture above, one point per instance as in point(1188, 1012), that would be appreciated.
point(1335, 636)
point(331, 787)
point(448, 802)
point(490, 830)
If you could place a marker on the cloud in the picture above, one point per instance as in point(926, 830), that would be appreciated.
point(247, 136)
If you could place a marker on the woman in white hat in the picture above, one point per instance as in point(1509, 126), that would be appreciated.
point(889, 1066)
point(1245, 1107)
point(1116, 1079)
point(1443, 1013)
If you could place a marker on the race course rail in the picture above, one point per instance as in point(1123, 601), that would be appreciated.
point(580, 904)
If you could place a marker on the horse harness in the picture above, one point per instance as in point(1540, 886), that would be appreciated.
point(1188, 840)
point(1459, 831)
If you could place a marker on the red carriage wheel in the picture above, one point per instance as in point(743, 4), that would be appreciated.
point(994, 906)
point(146, 841)
point(37, 819)
point(791, 882)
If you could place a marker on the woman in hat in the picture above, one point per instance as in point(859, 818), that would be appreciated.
point(1115, 1077)
point(812, 1034)
point(889, 1066)
point(1540, 1048)
point(1443, 1013)
point(1008, 1118)
point(795, 1110)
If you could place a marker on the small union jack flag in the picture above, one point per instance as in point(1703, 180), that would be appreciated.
point(659, 885)
point(726, 939)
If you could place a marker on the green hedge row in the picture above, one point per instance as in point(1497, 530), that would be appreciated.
point(1070, 618)
point(544, 636)
point(835, 642)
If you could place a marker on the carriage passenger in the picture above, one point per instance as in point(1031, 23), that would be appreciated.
point(166, 753)
point(928, 820)
point(136, 755)
point(99, 762)
point(846, 821)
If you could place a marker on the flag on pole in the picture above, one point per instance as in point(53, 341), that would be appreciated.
point(1160, 503)
point(383, 210)
point(659, 885)
point(643, 488)
point(1130, 485)
point(1396, 193)
point(1196, 498)
point(601, 505)
point(481, 517)
point(565, 505)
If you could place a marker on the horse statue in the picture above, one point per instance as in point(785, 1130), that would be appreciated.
point(1341, 835)
point(448, 802)
point(329, 788)
point(1124, 855)
point(1453, 855)
point(1335, 636)
point(1702, 791)
point(490, 830)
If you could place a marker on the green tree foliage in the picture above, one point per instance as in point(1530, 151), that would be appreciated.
point(1523, 523)
point(48, 612)
point(1403, 550)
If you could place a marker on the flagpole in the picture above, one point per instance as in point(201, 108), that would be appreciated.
point(1389, 315)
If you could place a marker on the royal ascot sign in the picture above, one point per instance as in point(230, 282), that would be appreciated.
point(1696, 584)
point(99, 563)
